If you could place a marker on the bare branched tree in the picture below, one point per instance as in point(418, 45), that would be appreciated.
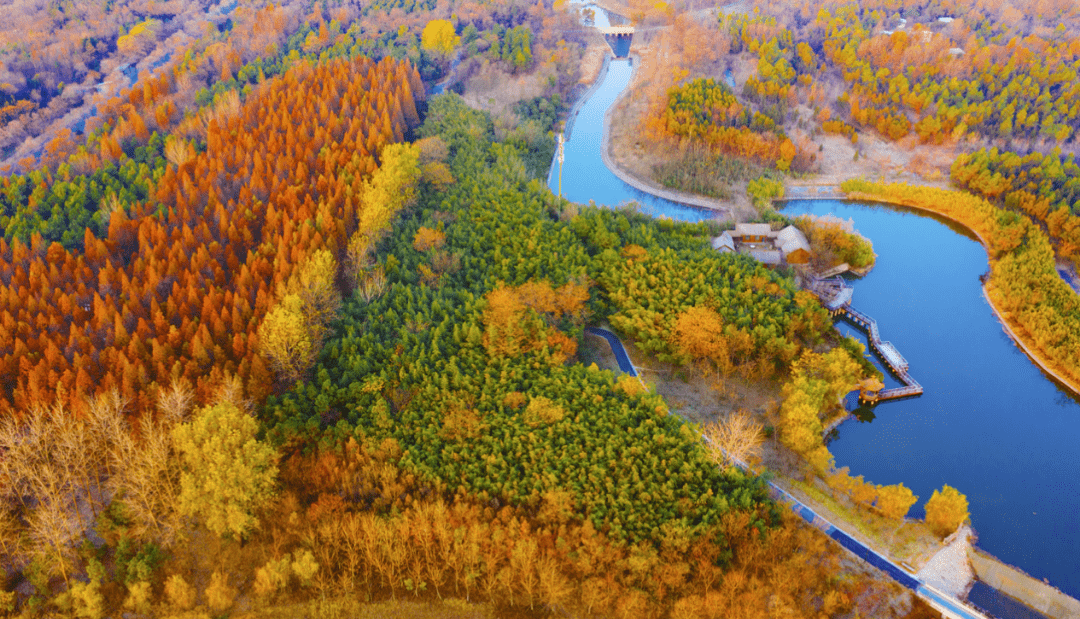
point(54, 466)
point(53, 530)
point(147, 474)
point(176, 401)
point(58, 471)
point(372, 283)
point(178, 151)
point(734, 439)
point(231, 391)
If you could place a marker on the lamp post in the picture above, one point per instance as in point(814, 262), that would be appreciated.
point(562, 157)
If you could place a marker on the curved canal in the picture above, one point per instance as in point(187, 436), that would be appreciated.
point(584, 176)
point(990, 423)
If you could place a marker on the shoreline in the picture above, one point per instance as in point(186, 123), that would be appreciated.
point(1007, 324)
point(571, 116)
point(639, 184)
point(830, 191)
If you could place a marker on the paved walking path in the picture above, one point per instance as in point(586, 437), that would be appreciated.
point(943, 601)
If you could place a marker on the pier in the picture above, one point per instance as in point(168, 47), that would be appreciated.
point(836, 296)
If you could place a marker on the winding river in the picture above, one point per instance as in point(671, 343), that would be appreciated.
point(990, 423)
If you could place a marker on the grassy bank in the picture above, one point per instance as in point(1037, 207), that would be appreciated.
point(1037, 308)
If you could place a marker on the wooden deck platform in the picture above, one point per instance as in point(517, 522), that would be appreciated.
point(836, 295)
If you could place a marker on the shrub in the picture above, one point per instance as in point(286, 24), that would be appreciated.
point(179, 593)
point(219, 595)
point(763, 191)
point(946, 510)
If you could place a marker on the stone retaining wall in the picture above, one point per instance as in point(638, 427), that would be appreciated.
point(1011, 581)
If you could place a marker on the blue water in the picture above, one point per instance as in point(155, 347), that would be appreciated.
point(584, 176)
point(990, 424)
point(997, 604)
point(600, 16)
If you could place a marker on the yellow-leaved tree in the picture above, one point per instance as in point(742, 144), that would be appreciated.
point(313, 283)
point(946, 510)
point(228, 473)
point(439, 37)
point(285, 339)
point(895, 501)
point(392, 187)
point(699, 334)
point(139, 40)
point(292, 332)
point(818, 381)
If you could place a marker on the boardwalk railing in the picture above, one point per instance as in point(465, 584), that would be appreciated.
point(835, 295)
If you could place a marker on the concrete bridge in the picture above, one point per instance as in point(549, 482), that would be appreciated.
point(620, 38)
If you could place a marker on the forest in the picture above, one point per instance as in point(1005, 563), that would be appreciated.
point(925, 68)
point(178, 288)
point(702, 110)
point(278, 327)
point(1046, 187)
point(442, 440)
point(992, 88)
point(993, 84)
point(402, 320)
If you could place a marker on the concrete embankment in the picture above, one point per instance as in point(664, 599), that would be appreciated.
point(949, 570)
point(666, 194)
point(1018, 585)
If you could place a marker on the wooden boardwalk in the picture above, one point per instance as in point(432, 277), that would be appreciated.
point(892, 357)
point(835, 295)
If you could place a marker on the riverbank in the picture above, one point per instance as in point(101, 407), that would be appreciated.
point(1009, 324)
point(601, 73)
point(1017, 584)
point(945, 421)
point(640, 184)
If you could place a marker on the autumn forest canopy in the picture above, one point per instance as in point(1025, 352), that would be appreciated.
point(278, 326)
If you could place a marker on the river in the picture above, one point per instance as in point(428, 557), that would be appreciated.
point(990, 423)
